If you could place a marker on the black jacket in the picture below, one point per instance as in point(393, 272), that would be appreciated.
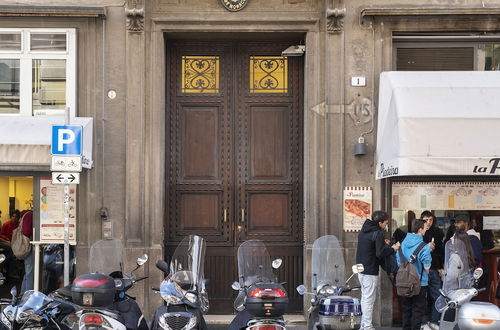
point(371, 247)
point(438, 254)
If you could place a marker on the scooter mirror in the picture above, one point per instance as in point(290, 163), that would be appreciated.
point(13, 292)
point(441, 292)
point(301, 289)
point(2, 258)
point(236, 286)
point(142, 260)
point(277, 263)
point(358, 268)
point(478, 273)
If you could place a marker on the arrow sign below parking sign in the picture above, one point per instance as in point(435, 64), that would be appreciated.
point(65, 178)
point(67, 140)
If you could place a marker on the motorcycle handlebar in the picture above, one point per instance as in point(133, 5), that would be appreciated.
point(481, 290)
point(155, 289)
point(162, 265)
point(141, 278)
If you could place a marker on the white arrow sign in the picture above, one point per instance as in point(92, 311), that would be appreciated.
point(65, 178)
point(66, 163)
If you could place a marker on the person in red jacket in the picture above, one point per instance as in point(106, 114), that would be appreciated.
point(9, 226)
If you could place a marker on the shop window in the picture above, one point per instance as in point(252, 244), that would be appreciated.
point(446, 200)
point(442, 52)
point(489, 57)
point(268, 74)
point(37, 71)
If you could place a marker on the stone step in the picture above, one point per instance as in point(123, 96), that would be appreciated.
point(220, 322)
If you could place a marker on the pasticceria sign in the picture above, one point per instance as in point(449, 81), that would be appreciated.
point(234, 5)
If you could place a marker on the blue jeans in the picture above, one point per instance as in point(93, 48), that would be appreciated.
point(435, 284)
point(28, 273)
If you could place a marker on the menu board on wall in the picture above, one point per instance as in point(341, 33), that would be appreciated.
point(446, 195)
point(52, 212)
point(357, 207)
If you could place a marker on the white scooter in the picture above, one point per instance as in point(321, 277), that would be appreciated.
point(457, 311)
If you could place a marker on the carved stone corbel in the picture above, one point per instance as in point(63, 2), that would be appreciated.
point(135, 17)
point(335, 20)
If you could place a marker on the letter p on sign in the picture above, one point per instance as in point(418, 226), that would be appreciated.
point(67, 140)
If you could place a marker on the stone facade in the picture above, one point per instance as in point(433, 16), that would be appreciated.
point(125, 52)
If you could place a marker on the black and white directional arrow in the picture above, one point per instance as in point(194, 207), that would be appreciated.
point(65, 178)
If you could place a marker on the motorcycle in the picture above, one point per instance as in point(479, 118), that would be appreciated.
point(457, 310)
point(330, 308)
point(261, 300)
point(35, 310)
point(101, 298)
point(183, 288)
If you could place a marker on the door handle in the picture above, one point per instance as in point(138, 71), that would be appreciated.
point(225, 215)
point(242, 215)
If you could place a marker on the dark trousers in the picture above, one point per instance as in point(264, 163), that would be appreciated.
point(413, 310)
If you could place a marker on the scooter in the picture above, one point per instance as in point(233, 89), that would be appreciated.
point(101, 295)
point(183, 289)
point(330, 308)
point(261, 301)
point(457, 310)
point(35, 310)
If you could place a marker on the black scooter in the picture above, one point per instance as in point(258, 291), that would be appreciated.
point(183, 289)
point(261, 301)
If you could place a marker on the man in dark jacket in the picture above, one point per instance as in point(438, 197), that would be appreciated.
point(434, 235)
point(372, 249)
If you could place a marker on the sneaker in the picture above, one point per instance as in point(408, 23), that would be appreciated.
point(433, 326)
point(425, 327)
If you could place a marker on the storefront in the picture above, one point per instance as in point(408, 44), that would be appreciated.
point(437, 151)
point(26, 184)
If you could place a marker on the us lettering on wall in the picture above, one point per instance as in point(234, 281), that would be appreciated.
point(357, 207)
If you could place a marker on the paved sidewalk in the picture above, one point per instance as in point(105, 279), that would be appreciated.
point(293, 322)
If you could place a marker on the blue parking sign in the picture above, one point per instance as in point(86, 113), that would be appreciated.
point(67, 140)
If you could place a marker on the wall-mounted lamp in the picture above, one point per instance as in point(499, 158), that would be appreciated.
point(295, 50)
point(360, 147)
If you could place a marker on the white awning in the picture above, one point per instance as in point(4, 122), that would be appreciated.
point(438, 123)
point(27, 140)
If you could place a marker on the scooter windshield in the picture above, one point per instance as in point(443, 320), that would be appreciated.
point(328, 265)
point(106, 256)
point(32, 301)
point(187, 263)
point(458, 274)
point(254, 263)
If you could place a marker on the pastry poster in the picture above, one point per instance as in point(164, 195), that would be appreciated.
point(357, 207)
point(52, 212)
point(446, 195)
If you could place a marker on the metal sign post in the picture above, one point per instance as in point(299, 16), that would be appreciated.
point(66, 234)
point(66, 221)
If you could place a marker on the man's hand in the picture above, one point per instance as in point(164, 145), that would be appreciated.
point(387, 241)
point(432, 245)
point(396, 246)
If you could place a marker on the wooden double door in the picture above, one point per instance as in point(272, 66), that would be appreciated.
point(234, 165)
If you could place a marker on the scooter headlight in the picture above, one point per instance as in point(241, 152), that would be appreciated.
point(191, 297)
point(171, 293)
point(330, 291)
point(191, 324)
point(7, 318)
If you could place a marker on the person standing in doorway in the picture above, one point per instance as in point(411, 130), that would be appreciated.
point(434, 235)
point(414, 307)
point(462, 222)
point(27, 230)
point(371, 251)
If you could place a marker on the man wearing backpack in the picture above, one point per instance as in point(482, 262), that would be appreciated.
point(371, 251)
point(414, 306)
